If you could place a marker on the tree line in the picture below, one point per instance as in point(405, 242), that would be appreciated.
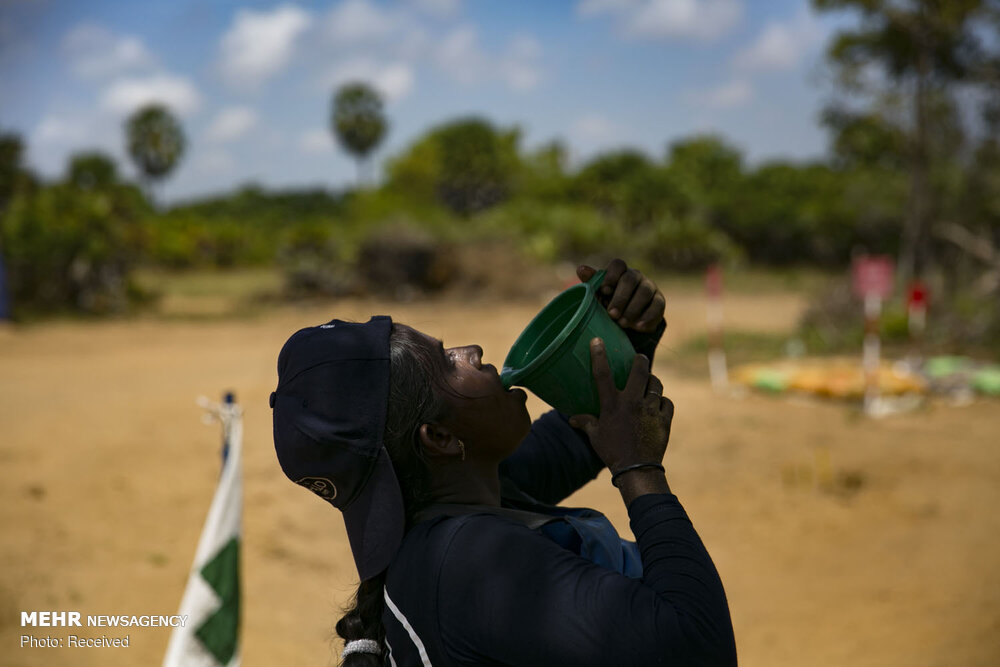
point(913, 171)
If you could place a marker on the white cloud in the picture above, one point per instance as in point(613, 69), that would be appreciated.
point(127, 94)
point(594, 129)
point(94, 52)
point(60, 130)
point(696, 19)
point(359, 32)
point(460, 56)
point(393, 80)
point(359, 21)
point(439, 8)
point(315, 141)
point(260, 44)
point(231, 124)
point(519, 76)
point(63, 131)
point(525, 46)
point(397, 32)
point(781, 45)
point(724, 96)
point(214, 161)
point(701, 20)
point(519, 67)
point(595, 7)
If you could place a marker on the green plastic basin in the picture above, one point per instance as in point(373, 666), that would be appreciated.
point(551, 357)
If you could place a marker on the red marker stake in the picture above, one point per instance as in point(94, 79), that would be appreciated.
point(871, 351)
point(716, 352)
point(916, 310)
point(873, 278)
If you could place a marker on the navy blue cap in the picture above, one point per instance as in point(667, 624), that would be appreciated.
point(329, 416)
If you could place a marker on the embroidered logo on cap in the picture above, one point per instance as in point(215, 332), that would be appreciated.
point(321, 486)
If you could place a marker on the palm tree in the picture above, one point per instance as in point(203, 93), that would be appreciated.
point(155, 141)
point(357, 121)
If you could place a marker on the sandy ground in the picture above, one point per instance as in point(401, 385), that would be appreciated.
point(841, 541)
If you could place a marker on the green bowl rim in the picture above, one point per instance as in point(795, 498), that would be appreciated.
point(518, 374)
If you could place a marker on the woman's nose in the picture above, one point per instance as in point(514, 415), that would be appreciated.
point(475, 355)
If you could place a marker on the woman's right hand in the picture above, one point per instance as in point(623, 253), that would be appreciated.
point(634, 425)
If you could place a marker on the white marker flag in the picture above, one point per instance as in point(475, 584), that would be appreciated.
point(210, 637)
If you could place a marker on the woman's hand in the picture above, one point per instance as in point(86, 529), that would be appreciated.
point(631, 298)
point(634, 425)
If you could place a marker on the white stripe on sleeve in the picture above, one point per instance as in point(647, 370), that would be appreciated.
point(409, 628)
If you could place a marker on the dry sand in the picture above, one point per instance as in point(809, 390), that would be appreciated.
point(841, 541)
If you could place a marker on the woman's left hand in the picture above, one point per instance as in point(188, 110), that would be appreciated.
point(632, 299)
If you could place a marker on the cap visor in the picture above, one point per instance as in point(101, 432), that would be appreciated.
point(375, 519)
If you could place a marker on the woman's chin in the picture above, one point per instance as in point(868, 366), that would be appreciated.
point(518, 392)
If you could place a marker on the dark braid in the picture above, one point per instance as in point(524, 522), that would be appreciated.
point(415, 374)
point(364, 621)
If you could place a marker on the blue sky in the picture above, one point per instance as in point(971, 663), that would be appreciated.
point(252, 81)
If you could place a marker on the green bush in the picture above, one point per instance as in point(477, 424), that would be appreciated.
point(72, 249)
point(313, 264)
point(685, 245)
point(468, 165)
point(556, 231)
point(249, 227)
point(181, 240)
point(967, 320)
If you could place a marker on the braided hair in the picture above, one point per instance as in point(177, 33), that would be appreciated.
point(416, 373)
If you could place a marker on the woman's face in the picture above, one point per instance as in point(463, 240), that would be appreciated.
point(489, 419)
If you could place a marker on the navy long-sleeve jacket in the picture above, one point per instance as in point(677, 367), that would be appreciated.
point(487, 589)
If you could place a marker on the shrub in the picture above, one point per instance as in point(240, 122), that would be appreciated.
point(557, 231)
point(185, 239)
point(400, 261)
point(313, 264)
point(72, 249)
point(685, 245)
point(967, 320)
point(467, 165)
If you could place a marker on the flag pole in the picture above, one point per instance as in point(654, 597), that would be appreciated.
point(228, 401)
point(871, 352)
point(210, 605)
point(713, 311)
point(872, 280)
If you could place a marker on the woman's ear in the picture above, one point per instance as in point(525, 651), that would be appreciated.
point(437, 440)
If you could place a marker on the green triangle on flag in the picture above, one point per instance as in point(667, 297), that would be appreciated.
point(211, 601)
point(219, 633)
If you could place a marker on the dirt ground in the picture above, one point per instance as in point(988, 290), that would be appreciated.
point(841, 541)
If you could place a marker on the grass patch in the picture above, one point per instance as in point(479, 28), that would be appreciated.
point(752, 280)
point(209, 293)
point(231, 283)
point(742, 347)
